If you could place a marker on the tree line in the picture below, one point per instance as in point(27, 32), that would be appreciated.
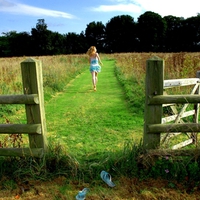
point(151, 33)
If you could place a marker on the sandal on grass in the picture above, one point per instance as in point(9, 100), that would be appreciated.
point(106, 177)
point(81, 194)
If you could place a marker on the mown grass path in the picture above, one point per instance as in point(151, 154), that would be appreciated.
point(89, 122)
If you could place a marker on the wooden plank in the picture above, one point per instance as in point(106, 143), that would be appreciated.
point(168, 128)
point(179, 115)
point(180, 82)
point(183, 144)
point(153, 113)
point(21, 128)
point(166, 137)
point(173, 117)
point(33, 84)
point(19, 99)
point(169, 104)
point(22, 152)
point(185, 105)
point(165, 99)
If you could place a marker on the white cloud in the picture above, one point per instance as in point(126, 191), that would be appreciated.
point(17, 8)
point(178, 8)
point(118, 7)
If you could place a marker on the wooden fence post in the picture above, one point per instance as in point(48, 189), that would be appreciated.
point(153, 113)
point(196, 108)
point(33, 84)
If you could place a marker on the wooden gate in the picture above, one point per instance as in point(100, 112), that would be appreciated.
point(35, 114)
point(156, 98)
point(177, 116)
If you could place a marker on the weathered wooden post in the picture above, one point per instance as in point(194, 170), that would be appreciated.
point(196, 106)
point(33, 84)
point(153, 113)
point(196, 109)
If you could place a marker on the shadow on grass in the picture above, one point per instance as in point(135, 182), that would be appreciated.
point(130, 162)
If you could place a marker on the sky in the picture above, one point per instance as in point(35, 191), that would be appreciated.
point(64, 16)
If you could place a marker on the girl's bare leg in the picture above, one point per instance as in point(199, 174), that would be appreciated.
point(94, 80)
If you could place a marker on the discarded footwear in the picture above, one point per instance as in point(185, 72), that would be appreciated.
point(106, 177)
point(81, 194)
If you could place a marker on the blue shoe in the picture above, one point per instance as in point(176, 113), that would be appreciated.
point(81, 194)
point(106, 177)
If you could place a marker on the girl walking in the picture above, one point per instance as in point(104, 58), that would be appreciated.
point(94, 61)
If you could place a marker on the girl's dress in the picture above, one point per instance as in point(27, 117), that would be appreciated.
point(94, 65)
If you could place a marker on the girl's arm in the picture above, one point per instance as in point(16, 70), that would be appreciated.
point(99, 58)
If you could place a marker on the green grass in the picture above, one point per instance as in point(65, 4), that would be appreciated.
point(89, 122)
point(102, 129)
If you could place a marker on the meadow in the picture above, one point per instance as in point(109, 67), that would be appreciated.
point(60, 71)
point(57, 72)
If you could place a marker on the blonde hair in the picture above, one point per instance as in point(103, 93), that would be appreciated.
point(91, 51)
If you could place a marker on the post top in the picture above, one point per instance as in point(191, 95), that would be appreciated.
point(155, 58)
point(29, 60)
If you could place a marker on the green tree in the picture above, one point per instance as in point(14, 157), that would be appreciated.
point(4, 46)
point(174, 34)
point(192, 34)
point(74, 43)
point(95, 35)
point(121, 34)
point(41, 38)
point(151, 31)
point(18, 44)
point(57, 44)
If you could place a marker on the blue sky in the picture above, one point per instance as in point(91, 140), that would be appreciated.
point(65, 16)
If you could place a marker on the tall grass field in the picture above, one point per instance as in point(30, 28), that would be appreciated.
point(91, 131)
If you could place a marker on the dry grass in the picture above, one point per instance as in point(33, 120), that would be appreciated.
point(126, 189)
point(177, 65)
point(55, 68)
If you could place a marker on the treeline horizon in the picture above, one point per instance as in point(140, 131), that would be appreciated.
point(151, 33)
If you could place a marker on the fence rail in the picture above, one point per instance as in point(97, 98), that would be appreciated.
point(38, 152)
point(19, 99)
point(166, 99)
point(180, 82)
point(21, 128)
point(164, 128)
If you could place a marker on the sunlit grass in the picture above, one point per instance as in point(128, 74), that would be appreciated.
point(59, 70)
point(121, 159)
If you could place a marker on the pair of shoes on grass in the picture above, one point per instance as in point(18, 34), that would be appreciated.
point(106, 177)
